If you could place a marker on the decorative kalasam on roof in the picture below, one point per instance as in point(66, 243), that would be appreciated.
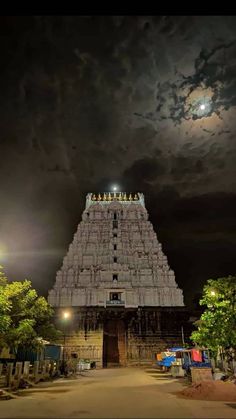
point(115, 196)
point(124, 198)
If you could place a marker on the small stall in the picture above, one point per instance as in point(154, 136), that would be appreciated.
point(181, 361)
point(166, 359)
point(196, 361)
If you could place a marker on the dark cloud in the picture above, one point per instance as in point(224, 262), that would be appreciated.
point(87, 101)
point(144, 171)
point(198, 235)
point(182, 165)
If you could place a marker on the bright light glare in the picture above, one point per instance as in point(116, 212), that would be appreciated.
point(66, 314)
point(3, 251)
point(114, 188)
point(213, 293)
point(202, 107)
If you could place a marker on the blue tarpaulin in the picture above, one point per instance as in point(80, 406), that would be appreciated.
point(166, 362)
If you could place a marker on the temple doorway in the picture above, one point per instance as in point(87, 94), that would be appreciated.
point(114, 343)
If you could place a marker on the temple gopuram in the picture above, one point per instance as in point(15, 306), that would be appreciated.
point(123, 301)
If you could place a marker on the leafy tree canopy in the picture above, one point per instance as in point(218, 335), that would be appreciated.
point(25, 317)
point(217, 325)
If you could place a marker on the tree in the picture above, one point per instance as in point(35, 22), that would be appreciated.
point(217, 325)
point(25, 317)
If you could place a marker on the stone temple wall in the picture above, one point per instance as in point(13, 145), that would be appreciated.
point(123, 337)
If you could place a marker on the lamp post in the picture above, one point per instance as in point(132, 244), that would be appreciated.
point(65, 317)
point(182, 334)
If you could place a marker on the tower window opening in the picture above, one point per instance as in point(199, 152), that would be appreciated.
point(115, 259)
point(115, 246)
point(115, 216)
point(114, 234)
point(115, 224)
point(115, 277)
point(115, 296)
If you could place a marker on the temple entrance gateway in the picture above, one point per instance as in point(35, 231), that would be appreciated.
point(114, 343)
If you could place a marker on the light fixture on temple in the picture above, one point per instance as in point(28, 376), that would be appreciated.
point(114, 188)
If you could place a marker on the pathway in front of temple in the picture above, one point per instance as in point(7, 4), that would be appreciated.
point(112, 393)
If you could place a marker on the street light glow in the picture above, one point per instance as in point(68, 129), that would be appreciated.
point(114, 188)
point(66, 314)
point(3, 251)
point(213, 293)
point(202, 107)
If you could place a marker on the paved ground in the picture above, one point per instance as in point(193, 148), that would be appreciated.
point(112, 393)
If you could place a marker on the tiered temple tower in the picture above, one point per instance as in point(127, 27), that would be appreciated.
point(117, 284)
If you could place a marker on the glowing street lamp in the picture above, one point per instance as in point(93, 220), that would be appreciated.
point(202, 107)
point(114, 188)
point(213, 293)
point(66, 314)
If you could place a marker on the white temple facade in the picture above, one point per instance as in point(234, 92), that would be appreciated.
point(115, 259)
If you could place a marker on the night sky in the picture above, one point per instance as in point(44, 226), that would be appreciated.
point(91, 101)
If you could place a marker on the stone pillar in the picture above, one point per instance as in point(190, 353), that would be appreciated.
point(43, 368)
point(9, 374)
point(47, 367)
point(18, 373)
point(36, 371)
point(26, 369)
